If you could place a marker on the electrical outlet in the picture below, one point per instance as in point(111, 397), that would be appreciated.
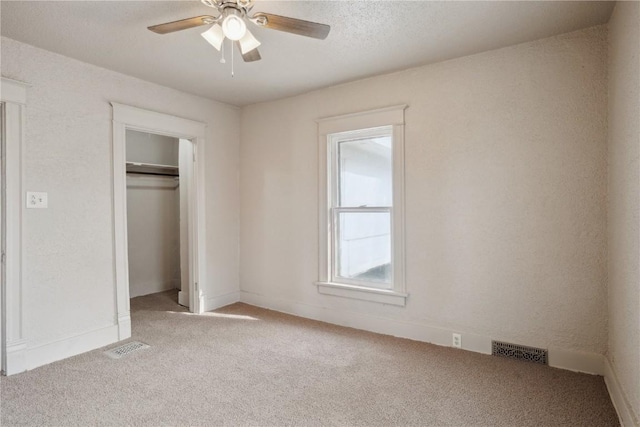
point(36, 200)
point(457, 341)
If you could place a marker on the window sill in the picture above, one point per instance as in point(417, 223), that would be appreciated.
point(382, 296)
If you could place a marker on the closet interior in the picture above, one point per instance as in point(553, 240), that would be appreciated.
point(156, 235)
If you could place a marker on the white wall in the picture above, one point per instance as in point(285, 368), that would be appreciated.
point(623, 353)
point(144, 147)
point(505, 197)
point(68, 268)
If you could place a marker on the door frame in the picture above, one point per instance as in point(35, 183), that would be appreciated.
point(13, 345)
point(128, 117)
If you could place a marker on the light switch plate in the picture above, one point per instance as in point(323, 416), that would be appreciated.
point(36, 200)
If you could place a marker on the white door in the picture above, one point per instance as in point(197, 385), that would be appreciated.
point(2, 225)
point(185, 160)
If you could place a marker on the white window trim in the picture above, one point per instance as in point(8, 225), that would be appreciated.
point(390, 116)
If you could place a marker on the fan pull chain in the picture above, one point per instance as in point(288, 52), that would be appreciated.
point(222, 60)
point(232, 49)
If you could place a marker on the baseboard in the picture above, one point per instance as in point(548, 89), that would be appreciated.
point(124, 327)
point(150, 288)
point(212, 303)
point(366, 322)
point(16, 361)
point(183, 298)
point(43, 354)
point(618, 397)
point(578, 361)
point(590, 363)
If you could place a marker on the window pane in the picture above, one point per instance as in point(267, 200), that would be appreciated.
point(364, 172)
point(364, 246)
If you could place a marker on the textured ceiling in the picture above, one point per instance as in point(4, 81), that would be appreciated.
point(367, 38)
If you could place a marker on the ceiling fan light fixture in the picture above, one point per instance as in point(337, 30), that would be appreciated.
point(248, 42)
point(231, 23)
point(214, 36)
point(234, 27)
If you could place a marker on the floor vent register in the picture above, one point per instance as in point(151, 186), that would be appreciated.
point(123, 350)
point(520, 352)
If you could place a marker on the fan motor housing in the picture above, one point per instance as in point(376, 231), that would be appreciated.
point(241, 5)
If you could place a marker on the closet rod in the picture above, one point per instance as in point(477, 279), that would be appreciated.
point(152, 169)
point(154, 173)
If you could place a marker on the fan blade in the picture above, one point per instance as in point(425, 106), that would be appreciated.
point(182, 24)
point(251, 56)
point(291, 25)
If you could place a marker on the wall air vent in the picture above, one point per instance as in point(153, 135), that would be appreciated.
point(123, 350)
point(520, 352)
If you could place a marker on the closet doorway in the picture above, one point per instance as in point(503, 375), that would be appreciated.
point(153, 173)
point(157, 214)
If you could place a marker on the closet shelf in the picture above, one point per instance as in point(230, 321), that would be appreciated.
point(152, 169)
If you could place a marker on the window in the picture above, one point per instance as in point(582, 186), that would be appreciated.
point(361, 205)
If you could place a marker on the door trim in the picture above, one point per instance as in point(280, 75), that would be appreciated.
point(14, 344)
point(128, 117)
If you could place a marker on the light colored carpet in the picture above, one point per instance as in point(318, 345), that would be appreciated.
point(243, 365)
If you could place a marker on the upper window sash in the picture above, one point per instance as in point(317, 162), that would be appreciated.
point(334, 141)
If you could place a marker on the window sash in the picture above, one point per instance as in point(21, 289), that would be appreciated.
point(335, 247)
point(334, 200)
point(334, 142)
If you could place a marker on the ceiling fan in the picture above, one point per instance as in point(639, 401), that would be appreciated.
point(230, 23)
